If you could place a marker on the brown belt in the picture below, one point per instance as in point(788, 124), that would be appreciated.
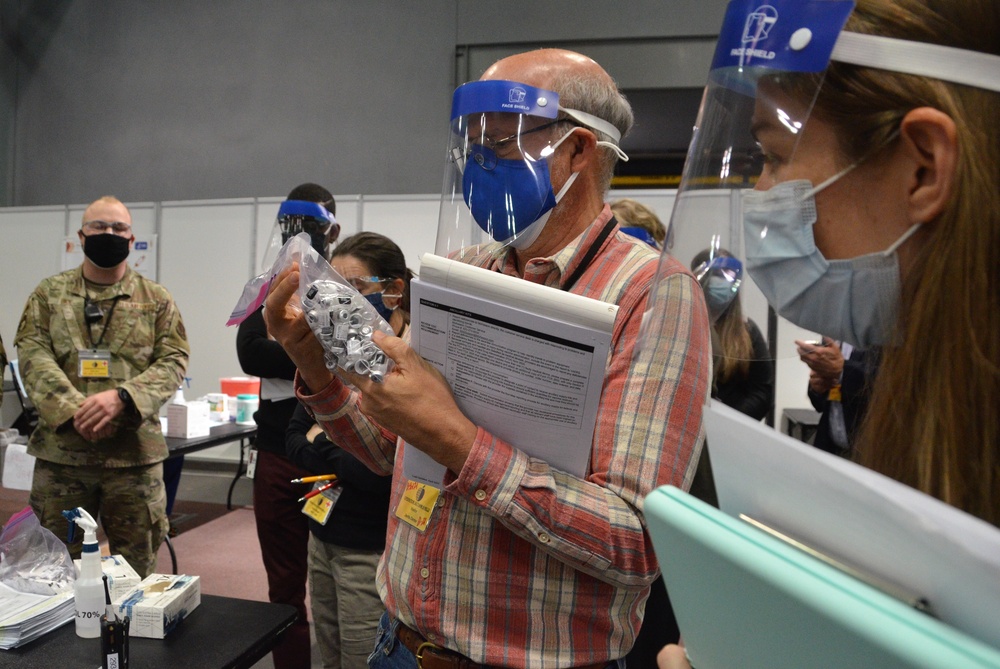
point(431, 656)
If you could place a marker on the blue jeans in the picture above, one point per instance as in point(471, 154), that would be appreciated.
point(390, 654)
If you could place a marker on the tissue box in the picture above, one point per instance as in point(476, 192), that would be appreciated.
point(159, 603)
point(188, 420)
point(121, 577)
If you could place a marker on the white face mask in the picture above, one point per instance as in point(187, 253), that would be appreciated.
point(854, 300)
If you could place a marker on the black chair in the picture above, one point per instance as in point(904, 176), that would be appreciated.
point(28, 420)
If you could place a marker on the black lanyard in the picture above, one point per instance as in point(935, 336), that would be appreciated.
point(90, 333)
point(591, 253)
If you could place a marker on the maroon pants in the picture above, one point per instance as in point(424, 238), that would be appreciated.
point(283, 532)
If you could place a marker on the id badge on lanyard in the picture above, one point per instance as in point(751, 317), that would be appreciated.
point(95, 363)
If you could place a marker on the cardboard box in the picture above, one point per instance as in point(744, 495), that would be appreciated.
point(121, 577)
point(188, 420)
point(159, 603)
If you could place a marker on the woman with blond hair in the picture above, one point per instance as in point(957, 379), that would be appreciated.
point(743, 375)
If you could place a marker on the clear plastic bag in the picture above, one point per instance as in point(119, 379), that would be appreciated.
point(340, 317)
point(33, 559)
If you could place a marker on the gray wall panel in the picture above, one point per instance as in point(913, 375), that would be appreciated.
point(188, 100)
point(184, 100)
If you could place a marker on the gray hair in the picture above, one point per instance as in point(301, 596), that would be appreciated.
point(600, 97)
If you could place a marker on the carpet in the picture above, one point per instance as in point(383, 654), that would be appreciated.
point(224, 552)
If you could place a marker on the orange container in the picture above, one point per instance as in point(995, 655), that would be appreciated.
point(240, 385)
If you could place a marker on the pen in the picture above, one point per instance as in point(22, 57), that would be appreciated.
point(313, 493)
point(314, 479)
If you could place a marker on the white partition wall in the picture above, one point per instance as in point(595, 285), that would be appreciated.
point(32, 247)
point(410, 221)
point(208, 249)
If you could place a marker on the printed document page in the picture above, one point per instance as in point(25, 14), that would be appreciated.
point(526, 362)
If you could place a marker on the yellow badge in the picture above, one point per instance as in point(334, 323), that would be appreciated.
point(318, 507)
point(417, 504)
point(95, 364)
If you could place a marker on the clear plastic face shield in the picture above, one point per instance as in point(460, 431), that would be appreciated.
point(765, 75)
point(295, 216)
point(497, 184)
point(756, 164)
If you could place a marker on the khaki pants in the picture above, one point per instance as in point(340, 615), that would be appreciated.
point(345, 603)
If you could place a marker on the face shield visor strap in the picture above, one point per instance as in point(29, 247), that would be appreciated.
point(959, 66)
point(596, 123)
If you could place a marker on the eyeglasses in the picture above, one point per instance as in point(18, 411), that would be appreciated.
point(117, 227)
point(361, 283)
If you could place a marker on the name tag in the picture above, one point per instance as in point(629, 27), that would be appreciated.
point(95, 364)
point(320, 506)
point(417, 504)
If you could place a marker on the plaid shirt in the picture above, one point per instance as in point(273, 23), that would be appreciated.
point(523, 565)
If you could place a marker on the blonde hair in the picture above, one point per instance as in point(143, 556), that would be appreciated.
point(631, 213)
point(933, 418)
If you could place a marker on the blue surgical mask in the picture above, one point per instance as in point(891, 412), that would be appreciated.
point(375, 299)
point(719, 294)
point(854, 300)
point(512, 199)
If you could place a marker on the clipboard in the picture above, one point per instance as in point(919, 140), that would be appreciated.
point(746, 599)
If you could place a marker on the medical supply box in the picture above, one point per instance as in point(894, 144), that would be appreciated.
point(159, 603)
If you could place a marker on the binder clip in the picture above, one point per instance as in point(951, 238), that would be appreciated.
point(114, 635)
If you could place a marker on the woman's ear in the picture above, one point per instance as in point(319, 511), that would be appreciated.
point(930, 142)
point(394, 287)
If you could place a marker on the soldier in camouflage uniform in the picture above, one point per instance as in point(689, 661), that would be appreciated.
point(101, 349)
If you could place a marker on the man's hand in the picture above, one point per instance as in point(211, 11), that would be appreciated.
point(415, 402)
point(93, 419)
point(287, 324)
point(826, 360)
point(820, 384)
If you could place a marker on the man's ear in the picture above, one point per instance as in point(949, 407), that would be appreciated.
point(930, 141)
point(584, 149)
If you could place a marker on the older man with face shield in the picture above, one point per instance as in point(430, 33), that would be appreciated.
point(520, 564)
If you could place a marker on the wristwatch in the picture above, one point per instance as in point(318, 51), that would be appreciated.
point(125, 397)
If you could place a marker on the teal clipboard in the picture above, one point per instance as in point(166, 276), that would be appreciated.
point(744, 599)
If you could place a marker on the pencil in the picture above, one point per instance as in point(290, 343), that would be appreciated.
point(314, 479)
point(313, 493)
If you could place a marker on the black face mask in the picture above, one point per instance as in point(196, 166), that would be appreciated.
point(106, 250)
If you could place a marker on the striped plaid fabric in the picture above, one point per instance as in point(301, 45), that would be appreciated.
point(522, 565)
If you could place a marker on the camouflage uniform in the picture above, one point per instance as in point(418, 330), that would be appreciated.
point(120, 477)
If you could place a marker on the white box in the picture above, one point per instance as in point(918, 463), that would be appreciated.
point(188, 420)
point(158, 604)
point(121, 577)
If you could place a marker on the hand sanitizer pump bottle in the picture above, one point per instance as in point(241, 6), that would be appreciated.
point(88, 590)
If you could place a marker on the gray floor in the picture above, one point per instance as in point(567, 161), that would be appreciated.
point(209, 482)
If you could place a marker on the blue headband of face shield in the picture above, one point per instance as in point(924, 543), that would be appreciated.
point(641, 234)
point(726, 267)
point(305, 208)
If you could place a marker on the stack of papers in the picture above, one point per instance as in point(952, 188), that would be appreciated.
point(26, 616)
